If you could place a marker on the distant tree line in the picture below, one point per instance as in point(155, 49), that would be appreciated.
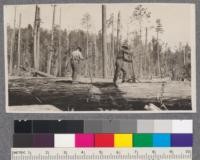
point(174, 64)
point(152, 58)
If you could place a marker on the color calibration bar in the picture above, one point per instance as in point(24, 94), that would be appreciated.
point(101, 153)
point(102, 140)
point(103, 133)
point(104, 126)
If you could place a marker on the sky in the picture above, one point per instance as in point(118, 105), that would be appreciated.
point(178, 20)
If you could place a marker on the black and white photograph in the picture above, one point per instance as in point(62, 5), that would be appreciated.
point(100, 58)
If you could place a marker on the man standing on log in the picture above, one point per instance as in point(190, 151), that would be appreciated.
point(121, 62)
point(76, 57)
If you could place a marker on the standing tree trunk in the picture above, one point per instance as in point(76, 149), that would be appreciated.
point(95, 55)
point(112, 48)
point(158, 56)
point(19, 46)
point(66, 56)
point(140, 26)
point(59, 49)
point(87, 47)
point(12, 45)
point(38, 50)
point(141, 48)
point(184, 57)
point(145, 52)
point(118, 31)
point(104, 41)
point(52, 42)
point(37, 38)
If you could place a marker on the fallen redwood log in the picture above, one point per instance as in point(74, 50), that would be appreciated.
point(99, 95)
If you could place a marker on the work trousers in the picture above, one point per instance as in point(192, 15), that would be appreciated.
point(120, 67)
point(75, 64)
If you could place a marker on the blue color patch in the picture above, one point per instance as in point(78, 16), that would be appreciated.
point(161, 140)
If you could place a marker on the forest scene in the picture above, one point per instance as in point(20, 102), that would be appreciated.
point(39, 61)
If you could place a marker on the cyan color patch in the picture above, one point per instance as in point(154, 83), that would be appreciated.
point(161, 140)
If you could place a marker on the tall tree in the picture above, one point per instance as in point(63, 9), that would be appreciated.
point(95, 55)
point(139, 14)
point(104, 41)
point(59, 48)
point(159, 29)
point(52, 42)
point(13, 43)
point(110, 23)
point(37, 38)
point(19, 45)
point(147, 51)
point(145, 48)
point(86, 22)
point(118, 30)
point(187, 53)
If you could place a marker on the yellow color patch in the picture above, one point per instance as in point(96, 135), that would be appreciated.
point(123, 140)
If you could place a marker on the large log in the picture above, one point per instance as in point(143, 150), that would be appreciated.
point(98, 96)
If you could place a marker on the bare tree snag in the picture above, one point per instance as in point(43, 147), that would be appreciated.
point(145, 54)
point(52, 42)
point(158, 56)
point(59, 49)
point(159, 29)
point(19, 46)
point(104, 41)
point(12, 44)
point(112, 46)
point(36, 37)
point(86, 22)
point(118, 31)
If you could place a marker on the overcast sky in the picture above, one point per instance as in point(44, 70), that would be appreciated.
point(178, 19)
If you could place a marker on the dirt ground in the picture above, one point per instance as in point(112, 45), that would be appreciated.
point(59, 94)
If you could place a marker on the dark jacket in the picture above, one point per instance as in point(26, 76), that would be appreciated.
point(125, 56)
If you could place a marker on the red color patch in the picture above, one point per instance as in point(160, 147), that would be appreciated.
point(104, 140)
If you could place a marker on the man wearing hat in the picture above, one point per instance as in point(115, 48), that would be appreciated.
point(120, 64)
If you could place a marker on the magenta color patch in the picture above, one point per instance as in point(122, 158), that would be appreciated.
point(84, 140)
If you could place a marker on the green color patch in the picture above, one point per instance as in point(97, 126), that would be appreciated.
point(142, 140)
